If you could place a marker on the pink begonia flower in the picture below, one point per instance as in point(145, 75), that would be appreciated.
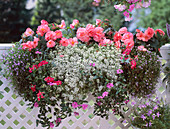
point(98, 34)
point(62, 25)
point(90, 29)
point(28, 32)
point(75, 23)
point(117, 36)
point(119, 71)
point(42, 29)
point(76, 113)
point(126, 14)
point(131, 7)
point(75, 105)
point(82, 35)
point(37, 52)
point(51, 125)
point(27, 45)
point(98, 21)
point(149, 32)
point(109, 85)
point(50, 35)
point(117, 44)
point(58, 34)
point(126, 36)
point(129, 43)
point(122, 30)
point(44, 22)
point(84, 106)
point(105, 94)
point(105, 41)
point(71, 26)
point(50, 43)
point(36, 104)
point(161, 32)
point(140, 35)
point(64, 42)
point(147, 35)
point(73, 41)
point(120, 7)
point(35, 42)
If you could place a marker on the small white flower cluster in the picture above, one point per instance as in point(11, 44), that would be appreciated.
point(77, 66)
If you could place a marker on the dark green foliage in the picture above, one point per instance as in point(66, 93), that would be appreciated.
point(158, 17)
point(115, 17)
point(14, 19)
point(142, 79)
point(49, 10)
point(82, 10)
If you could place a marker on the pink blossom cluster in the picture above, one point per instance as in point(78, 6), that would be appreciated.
point(40, 95)
point(75, 105)
point(148, 34)
point(71, 41)
point(57, 122)
point(127, 38)
point(75, 23)
point(28, 32)
point(30, 44)
point(51, 81)
point(132, 5)
point(104, 94)
point(86, 34)
point(44, 62)
point(123, 36)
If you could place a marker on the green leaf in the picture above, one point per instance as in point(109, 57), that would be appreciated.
point(1, 82)
point(37, 122)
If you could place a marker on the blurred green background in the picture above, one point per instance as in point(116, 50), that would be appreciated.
point(17, 15)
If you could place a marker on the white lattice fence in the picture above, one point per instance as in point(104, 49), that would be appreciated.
point(15, 114)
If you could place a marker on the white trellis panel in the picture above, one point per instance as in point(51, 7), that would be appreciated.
point(15, 114)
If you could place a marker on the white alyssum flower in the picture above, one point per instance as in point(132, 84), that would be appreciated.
point(75, 71)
